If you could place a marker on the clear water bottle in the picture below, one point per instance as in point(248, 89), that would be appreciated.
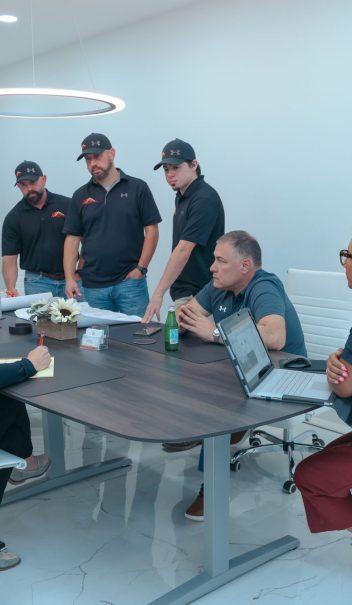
point(171, 330)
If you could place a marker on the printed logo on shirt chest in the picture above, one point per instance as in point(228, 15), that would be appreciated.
point(222, 309)
point(123, 194)
point(87, 201)
point(57, 214)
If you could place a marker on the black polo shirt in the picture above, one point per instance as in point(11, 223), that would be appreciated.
point(199, 218)
point(111, 224)
point(36, 234)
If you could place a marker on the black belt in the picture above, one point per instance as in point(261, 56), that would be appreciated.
point(50, 275)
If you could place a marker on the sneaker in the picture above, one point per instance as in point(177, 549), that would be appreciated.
point(18, 476)
point(8, 560)
point(180, 446)
point(195, 512)
point(2, 546)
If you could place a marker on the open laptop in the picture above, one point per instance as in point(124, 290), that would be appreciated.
point(255, 370)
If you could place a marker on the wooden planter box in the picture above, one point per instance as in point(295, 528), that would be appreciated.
point(62, 331)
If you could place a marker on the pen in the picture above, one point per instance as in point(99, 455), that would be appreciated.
point(41, 339)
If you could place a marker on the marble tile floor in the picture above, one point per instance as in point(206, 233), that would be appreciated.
point(121, 538)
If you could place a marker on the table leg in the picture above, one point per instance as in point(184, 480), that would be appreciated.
point(57, 475)
point(218, 569)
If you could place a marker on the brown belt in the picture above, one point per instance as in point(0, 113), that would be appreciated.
point(50, 275)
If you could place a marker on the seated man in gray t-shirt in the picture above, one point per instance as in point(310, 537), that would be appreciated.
point(239, 281)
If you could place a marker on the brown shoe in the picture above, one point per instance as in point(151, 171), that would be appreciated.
point(195, 512)
point(237, 438)
point(181, 446)
point(18, 476)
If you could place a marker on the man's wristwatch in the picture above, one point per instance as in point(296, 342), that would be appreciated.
point(143, 270)
point(216, 336)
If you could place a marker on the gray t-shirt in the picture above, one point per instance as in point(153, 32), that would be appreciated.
point(264, 295)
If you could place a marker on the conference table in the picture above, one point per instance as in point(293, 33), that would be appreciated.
point(135, 390)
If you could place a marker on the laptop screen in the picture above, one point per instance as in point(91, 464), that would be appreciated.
point(245, 347)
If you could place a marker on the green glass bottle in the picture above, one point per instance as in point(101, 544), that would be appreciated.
point(171, 330)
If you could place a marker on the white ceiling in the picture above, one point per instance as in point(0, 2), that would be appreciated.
point(57, 23)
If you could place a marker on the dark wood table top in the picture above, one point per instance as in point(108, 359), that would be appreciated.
point(154, 397)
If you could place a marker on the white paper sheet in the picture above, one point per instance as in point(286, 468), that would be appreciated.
point(7, 460)
point(91, 315)
point(18, 302)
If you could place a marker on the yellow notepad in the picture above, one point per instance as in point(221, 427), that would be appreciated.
point(47, 373)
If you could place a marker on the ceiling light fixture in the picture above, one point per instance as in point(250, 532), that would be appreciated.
point(94, 103)
point(108, 104)
point(8, 19)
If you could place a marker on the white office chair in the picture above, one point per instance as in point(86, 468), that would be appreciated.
point(324, 306)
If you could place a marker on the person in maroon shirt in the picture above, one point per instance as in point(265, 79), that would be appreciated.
point(325, 478)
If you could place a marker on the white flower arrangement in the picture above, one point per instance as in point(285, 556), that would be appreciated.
point(57, 310)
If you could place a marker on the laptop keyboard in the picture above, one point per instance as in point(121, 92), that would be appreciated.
point(290, 383)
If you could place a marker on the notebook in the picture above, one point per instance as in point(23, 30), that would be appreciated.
point(255, 370)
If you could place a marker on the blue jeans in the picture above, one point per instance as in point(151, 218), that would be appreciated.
point(34, 283)
point(129, 296)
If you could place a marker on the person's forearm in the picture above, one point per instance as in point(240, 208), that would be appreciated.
point(10, 272)
point(272, 329)
point(175, 265)
point(149, 245)
point(343, 389)
point(71, 248)
point(13, 373)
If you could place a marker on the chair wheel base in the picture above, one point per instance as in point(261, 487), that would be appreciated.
point(254, 441)
point(235, 466)
point(289, 487)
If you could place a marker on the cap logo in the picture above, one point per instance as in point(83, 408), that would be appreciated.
point(95, 143)
point(30, 170)
point(175, 152)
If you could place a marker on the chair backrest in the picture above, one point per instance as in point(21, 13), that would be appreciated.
point(324, 305)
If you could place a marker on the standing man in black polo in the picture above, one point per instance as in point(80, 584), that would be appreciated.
point(32, 230)
point(117, 218)
point(198, 223)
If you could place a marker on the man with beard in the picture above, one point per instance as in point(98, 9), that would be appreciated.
point(32, 230)
point(117, 219)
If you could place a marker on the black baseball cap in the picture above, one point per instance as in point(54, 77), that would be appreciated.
point(176, 152)
point(27, 171)
point(94, 143)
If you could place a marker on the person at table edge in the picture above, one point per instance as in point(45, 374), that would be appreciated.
point(239, 281)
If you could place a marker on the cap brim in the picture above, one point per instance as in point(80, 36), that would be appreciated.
point(172, 161)
point(27, 177)
point(94, 150)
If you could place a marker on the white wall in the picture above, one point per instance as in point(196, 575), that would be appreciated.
point(262, 90)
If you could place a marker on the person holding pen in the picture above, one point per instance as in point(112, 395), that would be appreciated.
point(15, 433)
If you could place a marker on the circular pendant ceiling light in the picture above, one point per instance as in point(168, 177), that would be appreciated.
point(94, 103)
